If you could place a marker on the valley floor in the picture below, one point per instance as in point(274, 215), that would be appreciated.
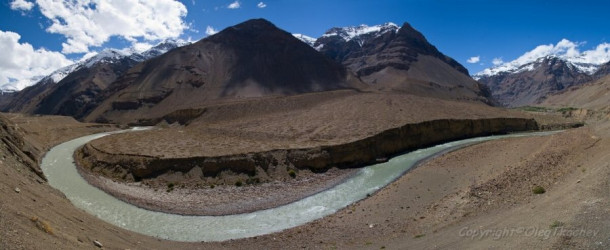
point(477, 197)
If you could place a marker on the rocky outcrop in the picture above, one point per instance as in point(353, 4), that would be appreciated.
point(354, 154)
point(12, 140)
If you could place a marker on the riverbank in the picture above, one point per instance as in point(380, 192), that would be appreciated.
point(190, 198)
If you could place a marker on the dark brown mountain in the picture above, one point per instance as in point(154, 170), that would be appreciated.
point(534, 81)
point(399, 59)
point(75, 94)
point(6, 98)
point(251, 59)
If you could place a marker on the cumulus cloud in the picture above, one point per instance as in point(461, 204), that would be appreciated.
point(86, 24)
point(234, 5)
point(564, 49)
point(21, 5)
point(497, 61)
point(261, 5)
point(474, 59)
point(21, 65)
point(210, 30)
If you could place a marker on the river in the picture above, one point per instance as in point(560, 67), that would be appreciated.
point(58, 166)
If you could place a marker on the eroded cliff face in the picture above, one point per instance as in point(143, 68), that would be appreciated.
point(12, 142)
point(319, 159)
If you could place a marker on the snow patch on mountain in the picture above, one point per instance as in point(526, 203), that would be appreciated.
point(306, 39)
point(587, 61)
point(354, 32)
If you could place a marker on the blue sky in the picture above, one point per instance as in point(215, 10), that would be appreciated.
point(462, 29)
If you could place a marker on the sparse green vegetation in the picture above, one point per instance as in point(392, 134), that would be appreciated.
point(212, 186)
point(556, 224)
point(170, 187)
point(239, 183)
point(533, 109)
point(538, 190)
point(251, 181)
point(545, 109)
point(566, 109)
point(292, 173)
point(419, 236)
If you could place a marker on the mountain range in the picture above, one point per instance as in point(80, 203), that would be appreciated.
point(528, 82)
point(72, 90)
point(253, 59)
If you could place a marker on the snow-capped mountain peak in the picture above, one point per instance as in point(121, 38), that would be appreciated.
point(105, 55)
point(306, 39)
point(163, 47)
point(518, 67)
point(587, 62)
point(113, 55)
point(355, 32)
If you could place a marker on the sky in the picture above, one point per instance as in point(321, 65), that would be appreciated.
point(40, 36)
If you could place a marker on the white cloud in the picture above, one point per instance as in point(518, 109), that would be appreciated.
point(88, 55)
point(497, 61)
point(474, 59)
point(141, 47)
point(21, 65)
point(21, 5)
point(564, 49)
point(210, 30)
point(86, 24)
point(261, 5)
point(234, 5)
